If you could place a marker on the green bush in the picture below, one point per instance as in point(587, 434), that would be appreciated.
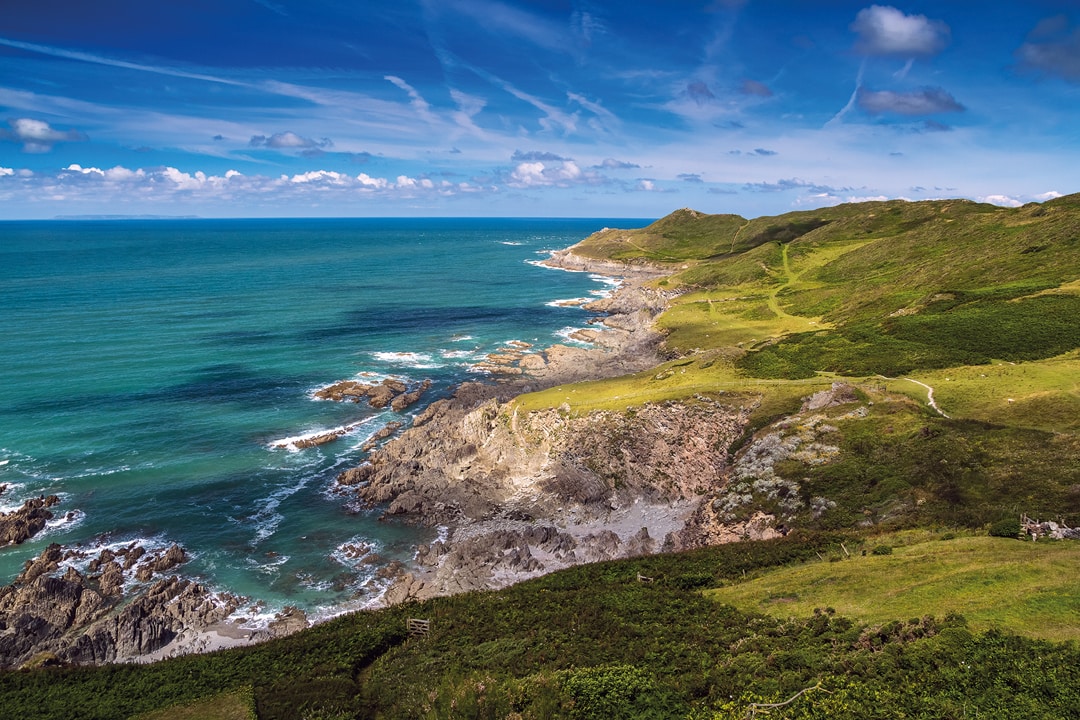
point(882, 550)
point(1007, 528)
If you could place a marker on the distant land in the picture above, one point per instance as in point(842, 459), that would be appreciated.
point(127, 217)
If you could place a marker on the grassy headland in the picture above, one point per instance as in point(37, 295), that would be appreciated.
point(859, 606)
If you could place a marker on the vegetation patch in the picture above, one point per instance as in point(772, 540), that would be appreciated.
point(1017, 587)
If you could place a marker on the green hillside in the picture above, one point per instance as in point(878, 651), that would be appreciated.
point(874, 289)
point(630, 639)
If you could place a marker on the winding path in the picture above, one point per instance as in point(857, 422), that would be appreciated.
point(929, 394)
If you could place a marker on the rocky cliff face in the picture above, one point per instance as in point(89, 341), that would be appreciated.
point(523, 494)
point(526, 493)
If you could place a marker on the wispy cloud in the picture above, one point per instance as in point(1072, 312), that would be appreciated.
point(927, 101)
point(111, 62)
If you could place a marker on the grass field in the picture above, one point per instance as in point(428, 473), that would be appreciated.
point(1021, 587)
point(1044, 395)
point(234, 705)
point(710, 373)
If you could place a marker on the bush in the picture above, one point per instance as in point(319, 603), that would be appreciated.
point(1008, 528)
point(882, 550)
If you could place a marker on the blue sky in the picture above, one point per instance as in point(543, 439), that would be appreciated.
point(254, 108)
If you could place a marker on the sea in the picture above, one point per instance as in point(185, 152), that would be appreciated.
point(155, 374)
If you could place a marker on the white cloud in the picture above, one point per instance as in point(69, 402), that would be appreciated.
point(75, 167)
point(37, 136)
point(370, 182)
point(1049, 195)
point(121, 174)
point(884, 30)
point(321, 176)
point(1003, 200)
point(4, 172)
point(545, 174)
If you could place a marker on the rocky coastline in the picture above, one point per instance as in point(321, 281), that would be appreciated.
point(521, 494)
point(516, 495)
point(73, 605)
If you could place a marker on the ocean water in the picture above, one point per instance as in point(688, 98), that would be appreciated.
point(149, 366)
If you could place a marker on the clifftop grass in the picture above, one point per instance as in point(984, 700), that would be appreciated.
point(871, 289)
point(1021, 587)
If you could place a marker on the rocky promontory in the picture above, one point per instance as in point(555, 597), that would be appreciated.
point(524, 493)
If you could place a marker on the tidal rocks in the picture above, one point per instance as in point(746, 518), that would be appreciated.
point(108, 612)
point(26, 522)
point(390, 392)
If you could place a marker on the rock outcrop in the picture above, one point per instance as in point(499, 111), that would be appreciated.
point(522, 494)
point(390, 392)
point(120, 607)
point(20, 525)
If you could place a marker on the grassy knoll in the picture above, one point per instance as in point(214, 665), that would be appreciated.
point(595, 641)
point(1015, 586)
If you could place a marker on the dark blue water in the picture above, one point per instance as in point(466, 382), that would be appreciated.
point(149, 366)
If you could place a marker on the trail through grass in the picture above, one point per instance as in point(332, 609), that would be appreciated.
point(1044, 395)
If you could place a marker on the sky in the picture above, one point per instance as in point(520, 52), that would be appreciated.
point(554, 108)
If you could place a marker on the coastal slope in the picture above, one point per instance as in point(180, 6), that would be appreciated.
point(769, 382)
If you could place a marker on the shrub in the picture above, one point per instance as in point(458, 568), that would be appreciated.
point(1007, 528)
point(882, 550)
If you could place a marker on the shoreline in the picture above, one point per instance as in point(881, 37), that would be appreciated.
point(546, 539)
point(501, 502)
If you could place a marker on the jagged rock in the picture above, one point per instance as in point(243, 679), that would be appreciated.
point(532, 361)
point(111, 580)
point(391, 391)
point(26, 522)
point(384, 432)
point(640, 544)
point(839, 394)
point(88, 620)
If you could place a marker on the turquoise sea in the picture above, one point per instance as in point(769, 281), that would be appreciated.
point(148, 366)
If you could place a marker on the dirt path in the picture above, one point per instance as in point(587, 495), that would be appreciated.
point(929, 394)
